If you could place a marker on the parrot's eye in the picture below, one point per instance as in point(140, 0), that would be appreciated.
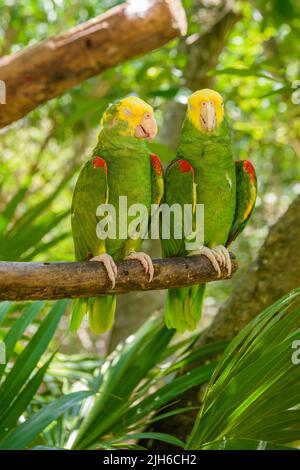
point(127, 112)
point(147, 115)
point(203, 103)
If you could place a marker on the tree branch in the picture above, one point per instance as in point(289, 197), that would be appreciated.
point(45, 70)
point(34, 281)
point(204, 51)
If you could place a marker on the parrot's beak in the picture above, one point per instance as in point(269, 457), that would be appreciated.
point(208, 116)
point(147, 129)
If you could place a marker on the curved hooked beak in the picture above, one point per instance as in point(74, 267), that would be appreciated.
point(208, 117)
point(147, 129)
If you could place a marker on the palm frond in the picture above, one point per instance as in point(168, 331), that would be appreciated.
point(254, 393)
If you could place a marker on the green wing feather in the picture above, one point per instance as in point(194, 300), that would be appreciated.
point(91, 190)
point(157, 179)
point(246, 192)
point(184, 305)
point(157, 190)
point(179, 189)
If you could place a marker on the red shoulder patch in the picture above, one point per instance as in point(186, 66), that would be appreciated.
point(249, 168)
point(99, 162)
point(185, 166)
point(156, 164)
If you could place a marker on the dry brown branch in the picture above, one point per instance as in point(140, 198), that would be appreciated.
point(33, 281)
point(40, 72)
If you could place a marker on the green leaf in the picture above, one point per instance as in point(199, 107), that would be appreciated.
point(4, 308)
point(124, 372)
point(25, 233)
point(157, 436)
point(178, 411)
point(17, 330)
point(168, 392)
point(46, 448)
point(243, 444)
point(164, 93)
point(30, 356)
point(282, 90)
point(205, 352)
point(11, 207)
point(246, 72)
point(19, 405)
point(247, 395)
point(26, 432)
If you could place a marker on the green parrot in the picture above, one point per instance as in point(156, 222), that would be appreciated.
point(204, 172)
point(121, 165)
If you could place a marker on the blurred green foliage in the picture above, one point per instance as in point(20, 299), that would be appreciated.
point(43, 394)
point(254, 391)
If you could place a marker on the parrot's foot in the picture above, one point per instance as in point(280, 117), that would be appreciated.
point(145, 261)
point(109, 265)
point(218, 256)
point(225, 257)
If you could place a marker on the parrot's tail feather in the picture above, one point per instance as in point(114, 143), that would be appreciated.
point(184, 307)
point(101, 313)
point(79, 309)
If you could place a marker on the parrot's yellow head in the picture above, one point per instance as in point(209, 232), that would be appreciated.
point(206, 110)
point(135, 117)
